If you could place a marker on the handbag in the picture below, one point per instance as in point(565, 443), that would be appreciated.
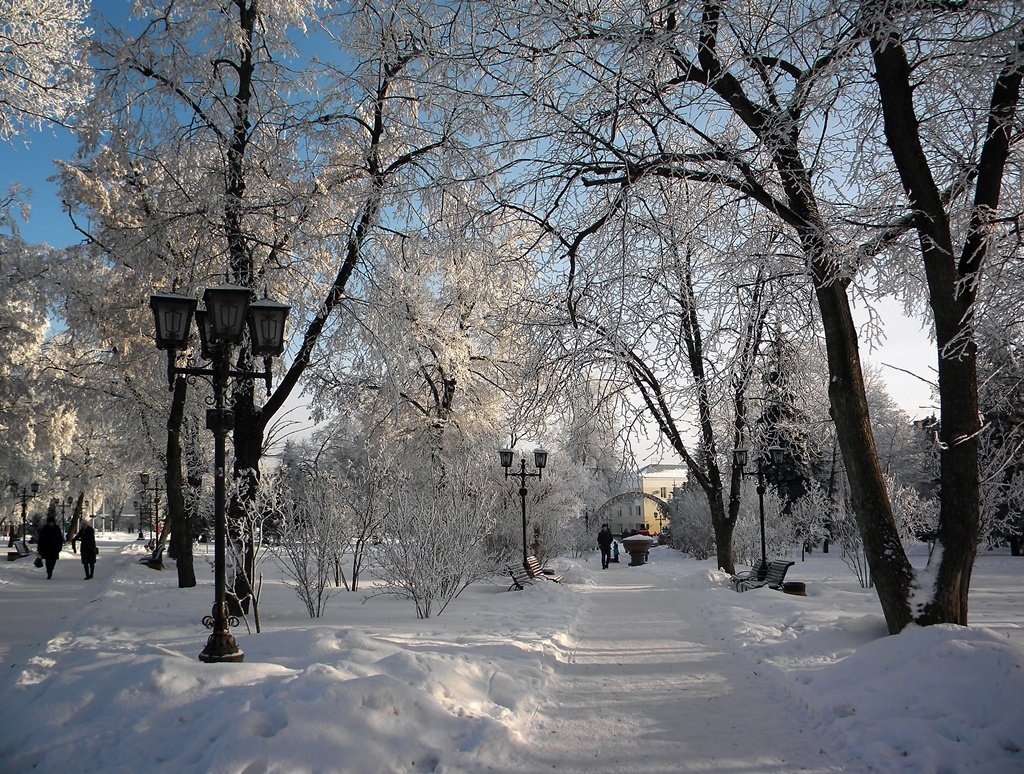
point(38, 562)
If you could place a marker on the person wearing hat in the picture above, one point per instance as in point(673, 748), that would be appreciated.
point(49, 543)
point(604, 542)
point(87, 537)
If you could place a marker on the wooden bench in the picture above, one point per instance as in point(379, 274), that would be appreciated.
point(536, 571)
point(530, 572)
point(777, 570)
point(154, 562)
point(519, 576)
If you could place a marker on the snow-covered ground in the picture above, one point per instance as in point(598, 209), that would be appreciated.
point(660, 668)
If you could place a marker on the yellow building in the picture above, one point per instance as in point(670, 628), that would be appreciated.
point(659, 480)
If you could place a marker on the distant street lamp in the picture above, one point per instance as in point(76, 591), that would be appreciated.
point(63, 522)
point(151, 499)
point(24, 496)
point(222, 325)
point(540, 461)
point(739, 460)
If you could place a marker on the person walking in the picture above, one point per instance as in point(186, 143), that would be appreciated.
point(604, 542)
point(49, 543)
point(87, 537)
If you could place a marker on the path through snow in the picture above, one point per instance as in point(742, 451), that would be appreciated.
point(648, 688)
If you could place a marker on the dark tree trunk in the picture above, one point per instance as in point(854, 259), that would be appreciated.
point(890, 568)
point(952, 291)
point(248, 439)
point(888, 563)
point(179, 520)
point(724, 528)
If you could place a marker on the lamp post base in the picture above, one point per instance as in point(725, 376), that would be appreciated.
point(221, 647)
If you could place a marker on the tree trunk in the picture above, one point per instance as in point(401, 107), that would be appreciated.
point(952, 291)
point(959, 499)
point(887, 561)
point(179, 521)
point(76, 516)
point(248, 440)
point(724, 528)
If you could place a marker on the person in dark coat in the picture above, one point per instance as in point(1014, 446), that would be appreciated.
point(49, 543)
point(87, 537)
point(604, 542)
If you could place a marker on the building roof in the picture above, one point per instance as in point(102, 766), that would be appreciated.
point(664, 471)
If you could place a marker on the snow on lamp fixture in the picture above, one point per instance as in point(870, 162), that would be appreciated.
point(227, 306)
point(266, 327)
point(172, 315)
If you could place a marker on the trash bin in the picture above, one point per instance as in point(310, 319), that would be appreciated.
point(637, 546)
point(797, 588)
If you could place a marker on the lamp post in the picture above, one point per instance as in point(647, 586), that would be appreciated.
point(540, 461)
point(151, 499)
point(739, 460)
point(63, 514)
point(140, 514)
point(24, 495)
point(222, 325)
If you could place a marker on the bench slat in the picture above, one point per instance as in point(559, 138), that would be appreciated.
point(776, 573)
point(533, 566)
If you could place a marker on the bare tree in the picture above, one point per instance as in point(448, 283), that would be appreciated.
point(314, 530)
point(433, 545)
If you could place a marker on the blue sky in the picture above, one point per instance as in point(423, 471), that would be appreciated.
point(28, 161)
point(30, 167)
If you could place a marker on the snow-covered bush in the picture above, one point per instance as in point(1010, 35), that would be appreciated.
point(314, 528)
point(434, 536)
point(690, 523)
point(847, 534)
point(809, 516)
point(916, 517)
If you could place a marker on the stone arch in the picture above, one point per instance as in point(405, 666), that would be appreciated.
point(600, 515)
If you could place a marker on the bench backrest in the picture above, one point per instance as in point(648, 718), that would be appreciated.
point(777, 571)
point(533, 566)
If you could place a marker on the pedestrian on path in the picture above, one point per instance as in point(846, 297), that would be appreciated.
point(87, 537)
point(49, 543)
point(604, 541)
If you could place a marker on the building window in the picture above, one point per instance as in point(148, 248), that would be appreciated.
point(663, 493)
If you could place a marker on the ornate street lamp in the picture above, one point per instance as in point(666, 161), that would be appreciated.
point(63, 514)
point(222, 325)
point(24, 495)
point(739, 460)
point(540, 461)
